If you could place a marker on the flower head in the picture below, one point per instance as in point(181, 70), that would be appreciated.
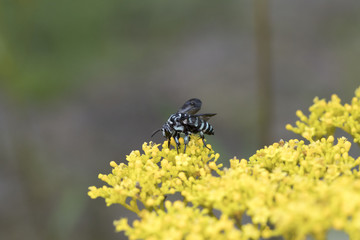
point(297, 188)
point(325, 117)
point(179, 222)
point(150, 176)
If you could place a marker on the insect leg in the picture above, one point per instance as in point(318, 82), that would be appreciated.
point(186, 140)
point(176, 137)
point(203, 139)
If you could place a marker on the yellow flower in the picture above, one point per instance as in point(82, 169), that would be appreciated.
point(150, 176)
point(299, 189)
point(325, 117)
point(180, 222)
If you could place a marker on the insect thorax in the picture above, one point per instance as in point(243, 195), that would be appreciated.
point(175, 122)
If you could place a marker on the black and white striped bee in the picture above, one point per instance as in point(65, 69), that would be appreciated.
point(186, 121)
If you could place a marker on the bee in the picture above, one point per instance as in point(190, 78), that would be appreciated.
point(187, 122)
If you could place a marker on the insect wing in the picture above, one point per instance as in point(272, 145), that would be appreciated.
point(205, 116)
point(191, 106)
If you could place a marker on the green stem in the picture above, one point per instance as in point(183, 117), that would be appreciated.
point(238, 220)
point(162, 205)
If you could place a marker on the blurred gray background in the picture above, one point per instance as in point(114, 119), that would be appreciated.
point(83, 83)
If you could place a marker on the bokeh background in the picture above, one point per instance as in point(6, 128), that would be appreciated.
point(83, 83)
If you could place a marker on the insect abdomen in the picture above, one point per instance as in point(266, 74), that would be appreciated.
point(206, 128)
point(196, 124)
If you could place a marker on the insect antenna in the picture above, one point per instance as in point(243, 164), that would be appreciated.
point(155, 132)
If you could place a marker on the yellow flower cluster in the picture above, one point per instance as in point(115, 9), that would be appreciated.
point(325, 117)
point(150, 176)
point(179, 222)
point(298, 189)
point(290, 188)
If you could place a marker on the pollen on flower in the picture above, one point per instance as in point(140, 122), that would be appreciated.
point(330, 139)
point(150, 202)
point(172, 142)
point(347, 146)
point(178, 182)
point(182, 176)
point(113, 164)
point(212, 165)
